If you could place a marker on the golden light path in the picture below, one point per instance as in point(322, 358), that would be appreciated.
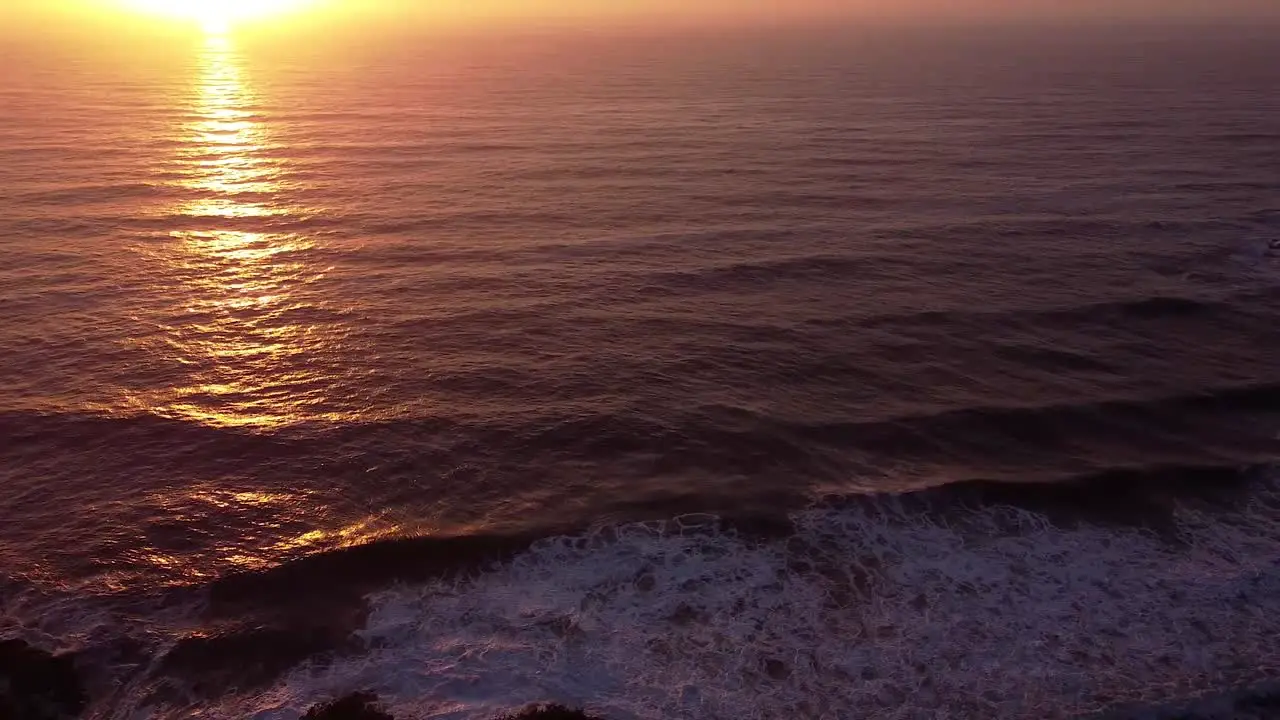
point(248, 338)
point(252, 357)
point(218, 16)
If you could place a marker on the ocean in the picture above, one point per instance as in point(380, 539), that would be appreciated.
point(839, 373)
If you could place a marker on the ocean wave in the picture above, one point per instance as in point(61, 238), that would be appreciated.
point(1147, 499)
point(1117, 590)
point(706, 425)
point(505, 473)
point(855, 610)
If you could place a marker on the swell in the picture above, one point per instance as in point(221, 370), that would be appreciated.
point(1246, 304)
point(343, 610)
point(1145, 497)
point(319, 585)
point(1156, 426)
point(1228, 425)
point(1119, 461)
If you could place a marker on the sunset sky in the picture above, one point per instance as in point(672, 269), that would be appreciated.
point(31, 14)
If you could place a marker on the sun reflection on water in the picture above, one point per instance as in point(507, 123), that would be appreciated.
point(227, 152)
point(255, 341)
point(240, 328)
point(258, 530)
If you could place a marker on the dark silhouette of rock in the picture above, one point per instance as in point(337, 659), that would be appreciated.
point(1259, 702)
point(36, 685)
point(549, 712)
point(356, 706)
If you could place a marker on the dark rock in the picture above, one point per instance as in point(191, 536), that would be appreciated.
point(36, 685)
point(548, 712)
point(683, 615)
point(356, 706)
point(1260, 702)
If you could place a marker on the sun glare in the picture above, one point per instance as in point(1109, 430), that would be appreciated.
point(217, 16)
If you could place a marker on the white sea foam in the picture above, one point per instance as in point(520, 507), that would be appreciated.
point(996, 613)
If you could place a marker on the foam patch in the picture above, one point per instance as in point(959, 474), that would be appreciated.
point(863, 612)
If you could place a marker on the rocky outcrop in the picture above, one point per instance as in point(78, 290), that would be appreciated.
point(37, 685)
point(356, 706)
point(1258, 702)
